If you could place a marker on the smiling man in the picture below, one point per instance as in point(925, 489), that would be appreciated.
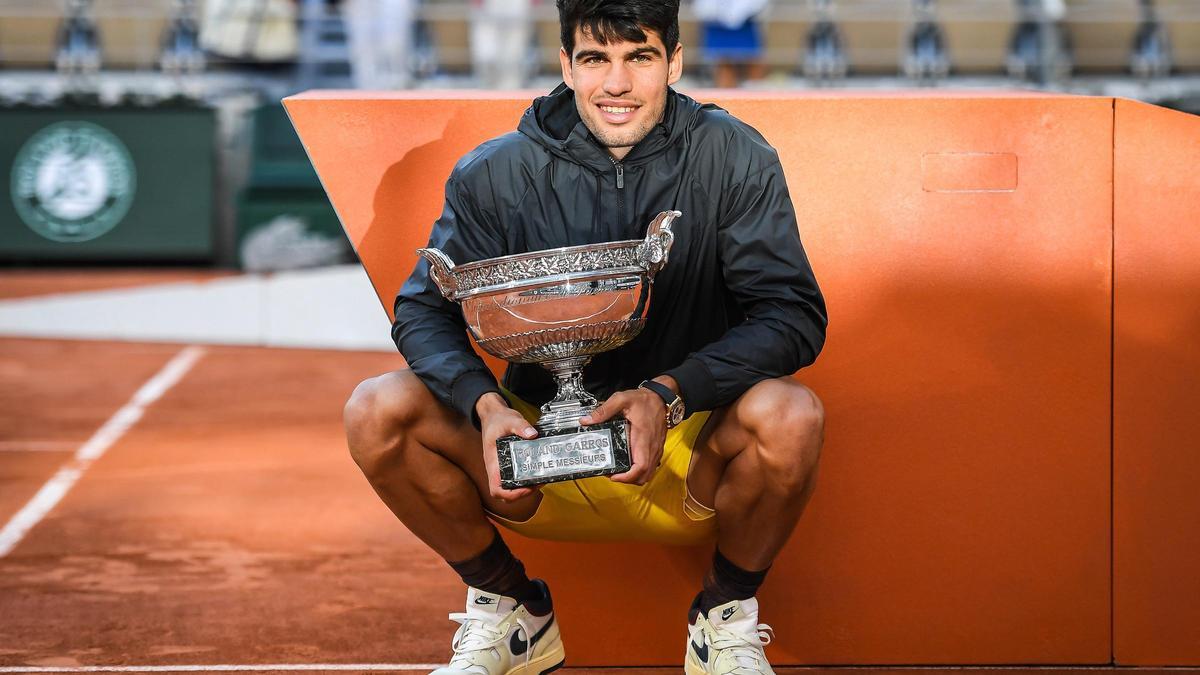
point(724, 441)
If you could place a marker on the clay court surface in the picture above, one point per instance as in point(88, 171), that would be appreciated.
point(210, 517)
point(226, 527)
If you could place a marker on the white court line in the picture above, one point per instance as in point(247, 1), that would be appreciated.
point(116, 426)
point(289, 667)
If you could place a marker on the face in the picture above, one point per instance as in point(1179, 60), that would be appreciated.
point(620, 88)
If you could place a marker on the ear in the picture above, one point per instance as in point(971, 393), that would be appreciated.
point(675, 65)
point(564, 61)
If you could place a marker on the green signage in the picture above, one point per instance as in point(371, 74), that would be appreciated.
point(119, 184)
point(73, 181)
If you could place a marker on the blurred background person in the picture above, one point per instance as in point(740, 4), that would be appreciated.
point(731, 39)
point(381, 42)
point(247, 31)
point(501, 33)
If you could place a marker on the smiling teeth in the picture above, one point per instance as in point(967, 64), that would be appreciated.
point(610, 109)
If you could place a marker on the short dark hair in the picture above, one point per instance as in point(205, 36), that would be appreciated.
point(614, 20)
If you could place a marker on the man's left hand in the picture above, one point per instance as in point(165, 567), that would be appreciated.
point(647, 415)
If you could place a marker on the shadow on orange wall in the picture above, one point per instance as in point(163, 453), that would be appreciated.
point(414, 184)
point(964, 245)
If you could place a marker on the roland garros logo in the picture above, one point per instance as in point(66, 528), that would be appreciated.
point(73, 181)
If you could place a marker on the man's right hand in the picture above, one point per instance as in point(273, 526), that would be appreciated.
point(496, 420)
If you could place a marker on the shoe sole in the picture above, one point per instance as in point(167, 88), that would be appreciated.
point(538, 666)
point(692, 666)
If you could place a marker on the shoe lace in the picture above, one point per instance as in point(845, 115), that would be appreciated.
point(746, 649)
point(477, 635)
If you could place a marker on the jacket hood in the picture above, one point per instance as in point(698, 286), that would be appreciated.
point(553, 122)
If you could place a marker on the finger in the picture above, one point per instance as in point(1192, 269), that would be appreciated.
point(650, 451)
point(651, 459)
point(519, 427)
point(653, 463)
point(492, 466)
point(527, 431)
point(649, 473)
point(637, 455)
point(512, 495)
point(604, 411)
point(505, 494)
point(633, 476)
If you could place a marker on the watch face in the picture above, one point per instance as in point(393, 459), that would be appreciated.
point(676, 413)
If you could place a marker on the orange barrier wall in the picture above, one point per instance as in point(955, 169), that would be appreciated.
point(1156, 382)
point(964, 245)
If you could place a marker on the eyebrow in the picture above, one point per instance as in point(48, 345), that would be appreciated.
point(589, 53)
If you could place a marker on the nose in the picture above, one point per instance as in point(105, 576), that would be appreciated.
point(617, 80)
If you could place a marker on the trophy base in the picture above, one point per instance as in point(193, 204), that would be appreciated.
point(581, 452)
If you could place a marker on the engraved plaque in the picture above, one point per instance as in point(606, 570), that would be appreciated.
point(596, 450)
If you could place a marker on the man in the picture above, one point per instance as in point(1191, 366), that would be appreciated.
point(735, 313)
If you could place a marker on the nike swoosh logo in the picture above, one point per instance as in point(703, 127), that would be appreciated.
point(484, 600)
point(701, 651)
point(728, 613)
point(518, 646)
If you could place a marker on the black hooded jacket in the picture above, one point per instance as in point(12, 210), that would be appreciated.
point(736, 304)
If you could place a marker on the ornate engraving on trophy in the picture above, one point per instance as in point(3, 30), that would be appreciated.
point(559, 308)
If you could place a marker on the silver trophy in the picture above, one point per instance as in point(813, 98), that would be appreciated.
point(559, 307)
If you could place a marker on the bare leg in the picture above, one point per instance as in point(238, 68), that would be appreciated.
point(425, 462)
point(757, 467)
point(725, 75)
point(756, 70)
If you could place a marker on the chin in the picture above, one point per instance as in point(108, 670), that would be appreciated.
point(620, 141)
point(620, 138)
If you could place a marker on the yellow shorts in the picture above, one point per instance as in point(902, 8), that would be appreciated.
point(599, 509)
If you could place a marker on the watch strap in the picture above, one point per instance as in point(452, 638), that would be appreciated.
point(664, 392)
point(674, 402)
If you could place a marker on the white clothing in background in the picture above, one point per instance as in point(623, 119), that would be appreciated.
point(381, 42)
point(251, 30)
point(729, 13)
point(501, 33)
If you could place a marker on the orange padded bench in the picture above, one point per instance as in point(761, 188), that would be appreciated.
point(1011, 472)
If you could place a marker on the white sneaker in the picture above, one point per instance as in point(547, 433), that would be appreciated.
point(494, 638)
point(729, 641)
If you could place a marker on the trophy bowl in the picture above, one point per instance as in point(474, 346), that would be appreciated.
point(558, 308)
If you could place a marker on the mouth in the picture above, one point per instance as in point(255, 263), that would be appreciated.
point(617, 113)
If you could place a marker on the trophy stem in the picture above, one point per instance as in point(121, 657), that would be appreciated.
point(572, 401)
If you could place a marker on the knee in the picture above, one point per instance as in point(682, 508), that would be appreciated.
point(378, 413)
point(787, 421)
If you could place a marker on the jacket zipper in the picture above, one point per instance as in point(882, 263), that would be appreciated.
point(620, 188)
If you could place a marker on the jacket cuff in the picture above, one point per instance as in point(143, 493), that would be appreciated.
point(696, 386)
point(467, 389)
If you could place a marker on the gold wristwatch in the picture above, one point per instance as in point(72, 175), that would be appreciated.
point(674, 402)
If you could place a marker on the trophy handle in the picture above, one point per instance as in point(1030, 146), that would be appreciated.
point(441, 268)
point(654, 249)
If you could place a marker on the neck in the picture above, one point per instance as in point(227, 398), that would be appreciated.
point(618, 154)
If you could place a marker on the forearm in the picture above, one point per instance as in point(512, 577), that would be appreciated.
point(755, 350)
point(436, 348)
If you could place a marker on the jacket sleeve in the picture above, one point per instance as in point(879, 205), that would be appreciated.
point(767, 272)
point(429, 330)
